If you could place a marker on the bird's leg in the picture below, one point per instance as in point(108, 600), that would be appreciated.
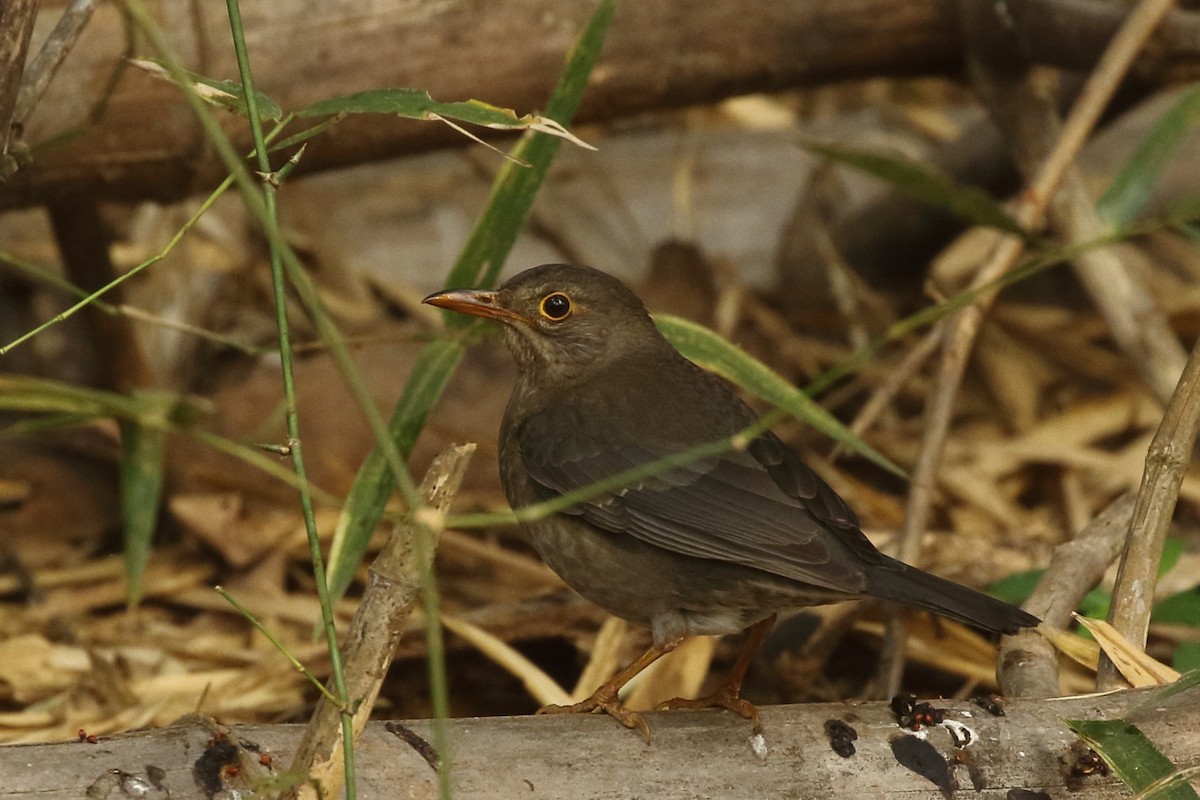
point(605, 698)
point(728, 694)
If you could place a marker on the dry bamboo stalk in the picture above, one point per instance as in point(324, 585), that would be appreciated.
point(1167, 460)
point(1028, 662)
point(887, 390)
point(1138, 325)
point(388, 600)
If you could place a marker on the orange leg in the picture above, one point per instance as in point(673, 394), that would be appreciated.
point(728, 694)
point(605, 698)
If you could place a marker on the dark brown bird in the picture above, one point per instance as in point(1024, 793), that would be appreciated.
point(710, 547)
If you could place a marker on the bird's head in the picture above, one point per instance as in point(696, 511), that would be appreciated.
point(561, 321)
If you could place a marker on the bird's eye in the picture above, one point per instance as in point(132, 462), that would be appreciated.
point(555, 307)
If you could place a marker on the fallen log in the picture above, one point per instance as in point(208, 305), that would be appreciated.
point(119, 133)
point(1029, 752)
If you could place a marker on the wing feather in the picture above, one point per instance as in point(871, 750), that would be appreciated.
point(760, 508)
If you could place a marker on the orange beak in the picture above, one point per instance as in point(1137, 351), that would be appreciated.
point(476, 302)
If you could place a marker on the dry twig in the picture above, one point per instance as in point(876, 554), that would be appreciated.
point(16, 26)
point(1138, 325)
point(885, 393)
point(1167, 460)
point(388, 600)
point(47, 61)
point(1028, 662)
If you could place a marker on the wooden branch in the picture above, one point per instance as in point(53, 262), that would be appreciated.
point(660, 53)
point(1138, 323)
point(56, 48)
point(1168, 458)
point(395, 582)
point(1025, 753)
point(16, 26)
point(1028, 662)
point(1139, 327)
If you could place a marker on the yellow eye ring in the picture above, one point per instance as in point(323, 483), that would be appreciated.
point(555, 307)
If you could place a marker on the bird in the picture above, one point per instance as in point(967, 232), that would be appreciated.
point(691, 541)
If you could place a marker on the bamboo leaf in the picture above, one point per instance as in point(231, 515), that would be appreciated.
point(714, 353)
point(417, 104)
point(1178, 609)
point(141, 491)
point(1186, 657)
point(1136, 666)
point(142, 464)
point(1131, 189)
point(1132, 756)
point(922, 182)
point(228, 95)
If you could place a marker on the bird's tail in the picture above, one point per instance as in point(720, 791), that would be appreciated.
point(895, 580)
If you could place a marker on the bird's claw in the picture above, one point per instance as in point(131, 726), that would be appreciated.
point(599, 702)
point(724, 697)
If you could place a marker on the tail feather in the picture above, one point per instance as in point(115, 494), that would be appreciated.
point(895, 580)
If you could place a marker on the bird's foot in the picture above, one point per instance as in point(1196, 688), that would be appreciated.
point(725, 696)
point(608, 703)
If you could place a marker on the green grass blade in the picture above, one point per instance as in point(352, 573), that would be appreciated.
point(512, 196)
point(43, 396)
point(372, 485)
point(47, 422)
point(1132, 756)
point(922, 182)
point(714, 353)
point(142, 450)
point(1131, 189)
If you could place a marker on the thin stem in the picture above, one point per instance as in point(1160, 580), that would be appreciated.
point(91, 298)
point(255, 204)
point(270, 637)
point(279, 286)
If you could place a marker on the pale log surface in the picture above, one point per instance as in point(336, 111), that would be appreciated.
point(659, 53)
point(693, 755)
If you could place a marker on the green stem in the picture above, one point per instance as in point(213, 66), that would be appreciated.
point(279, 285)
point(91, 298)
point(256, 205)
point(270, 637)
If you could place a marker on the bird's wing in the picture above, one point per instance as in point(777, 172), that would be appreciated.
point(760, 508)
